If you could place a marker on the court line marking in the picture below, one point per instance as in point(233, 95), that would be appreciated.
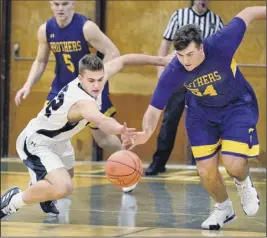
point(77, 226)
point(145, 165)
point(173, 179)
point(135, 232)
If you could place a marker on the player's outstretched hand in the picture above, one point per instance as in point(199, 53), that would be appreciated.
point(22, 93)
point(127, 134)
point(136, 138)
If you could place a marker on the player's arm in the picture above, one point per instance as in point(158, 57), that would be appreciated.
point(227, 40)
point(163, 51)
point(117, 64)
point(38, 66)
point(89, 110)
point(166, 85)
point(251, 13)
point(100, 41)
point(167, 39)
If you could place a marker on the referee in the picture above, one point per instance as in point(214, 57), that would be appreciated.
point(209, 23)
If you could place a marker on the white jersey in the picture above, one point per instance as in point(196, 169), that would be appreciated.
point(52, 121)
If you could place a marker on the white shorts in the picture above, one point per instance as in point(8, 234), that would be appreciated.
point(43, 155)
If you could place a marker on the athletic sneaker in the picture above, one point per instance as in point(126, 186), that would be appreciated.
point(220, 216)
point(49, 207)
point(6, 207)
point(129, 189)
point(250, 200)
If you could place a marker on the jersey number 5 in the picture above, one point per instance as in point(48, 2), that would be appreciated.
point(68, 62)
point(56, 103)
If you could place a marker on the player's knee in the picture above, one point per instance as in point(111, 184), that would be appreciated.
point(235, 167)
point(203, 172)
point(207, 171)
point(63, 190)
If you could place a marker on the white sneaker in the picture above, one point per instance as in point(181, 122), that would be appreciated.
point(249, 198)
point(220, 216)
point(129, 189)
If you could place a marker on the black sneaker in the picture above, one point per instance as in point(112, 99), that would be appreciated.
point(5, 200)
point(155, 168)
point(49, 207)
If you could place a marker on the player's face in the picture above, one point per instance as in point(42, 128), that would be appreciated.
point(92, 81)
point(62, 9)
point(191, 57)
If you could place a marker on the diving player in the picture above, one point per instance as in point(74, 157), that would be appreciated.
point(41, 145)
point(68, 35)
point(221, 111)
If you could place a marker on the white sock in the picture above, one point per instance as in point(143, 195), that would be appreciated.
point(226, 203)
point(247, 180)
point(17, 200)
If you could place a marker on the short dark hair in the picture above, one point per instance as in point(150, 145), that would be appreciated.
point(185, 35)
point(90, 62)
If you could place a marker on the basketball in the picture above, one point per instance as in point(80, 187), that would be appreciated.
point(124, 168)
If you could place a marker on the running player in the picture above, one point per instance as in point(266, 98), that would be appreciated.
point(221, 111)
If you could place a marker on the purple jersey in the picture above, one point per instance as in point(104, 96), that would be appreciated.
point(69, 46)
point(217, 81)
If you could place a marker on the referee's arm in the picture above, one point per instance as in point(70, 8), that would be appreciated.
point(167, 39)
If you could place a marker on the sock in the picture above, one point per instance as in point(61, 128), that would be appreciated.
point(17, 200)
point(247, 180)
point(227, 203)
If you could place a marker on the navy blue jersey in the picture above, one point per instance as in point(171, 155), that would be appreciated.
point(217, 81)
point(69, 46)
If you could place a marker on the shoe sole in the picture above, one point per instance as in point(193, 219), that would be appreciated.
point(153, 174)
point(218, 227)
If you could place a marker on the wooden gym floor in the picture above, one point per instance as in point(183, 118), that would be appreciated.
point(172, 204)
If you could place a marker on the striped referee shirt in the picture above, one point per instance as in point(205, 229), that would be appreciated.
point(209, 22)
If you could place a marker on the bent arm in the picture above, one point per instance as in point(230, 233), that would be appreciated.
point(100, 41)
point(251, 13)
point(40, 62)
point(227, 40)
point(89, 111)
point(117, 64)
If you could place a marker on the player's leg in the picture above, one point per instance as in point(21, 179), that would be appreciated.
point(67, 155)
point(239, 143)
point(167, 134)
point(53, 180)
point(205, 143)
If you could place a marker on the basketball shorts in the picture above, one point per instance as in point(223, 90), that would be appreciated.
point(42, 155)
point(107, 107)
point(230, 130)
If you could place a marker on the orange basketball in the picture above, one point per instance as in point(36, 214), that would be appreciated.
point(124, 168)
